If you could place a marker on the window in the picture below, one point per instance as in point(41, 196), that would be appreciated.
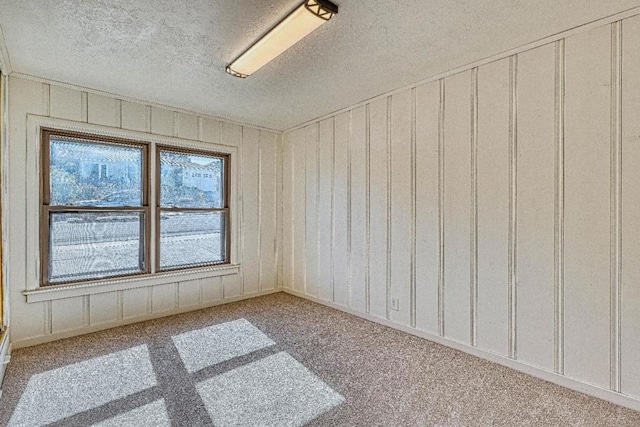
point(88, 231)
point(193, 213)
point(96, 215)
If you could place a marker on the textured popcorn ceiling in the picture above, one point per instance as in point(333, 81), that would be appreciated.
point(173, 52)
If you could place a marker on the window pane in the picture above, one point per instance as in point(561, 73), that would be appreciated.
point(191, 181)
point(90, 245)
point(94, 174)
point(191, 238)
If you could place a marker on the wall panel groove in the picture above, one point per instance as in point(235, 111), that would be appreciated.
point(559, 210)
point(368, 209)
point(317, 210)
point(441, 233)
point(473, 244)
point(259, 208)
point(348, 301)
point(513, 206)
point(333, 223)
point(412, 293)
point(616, 203)
point(389, 248)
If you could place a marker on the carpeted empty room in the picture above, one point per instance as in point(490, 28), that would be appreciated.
point(278, 360)
point(319, 212)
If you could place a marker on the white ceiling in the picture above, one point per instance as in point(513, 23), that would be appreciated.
point(173, 52)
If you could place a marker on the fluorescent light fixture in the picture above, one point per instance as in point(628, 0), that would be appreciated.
point(293, 28)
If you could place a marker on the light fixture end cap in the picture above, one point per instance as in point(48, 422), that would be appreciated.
point(234, 73)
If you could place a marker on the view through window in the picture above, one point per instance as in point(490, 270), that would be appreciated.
point(97, 217)
point(192, 207)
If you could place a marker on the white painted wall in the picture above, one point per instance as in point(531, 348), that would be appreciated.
point(499, 204)
point(258, 185)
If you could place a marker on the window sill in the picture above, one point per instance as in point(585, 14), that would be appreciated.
point(111, 285)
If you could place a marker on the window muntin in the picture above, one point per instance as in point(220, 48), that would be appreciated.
point(95, 214)
point(193, 208)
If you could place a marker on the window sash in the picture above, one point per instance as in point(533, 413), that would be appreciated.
point(46, 134)
point(227, 243)
point(188, 151)
point(225, 200)
point(46, 209)
point(144, 252)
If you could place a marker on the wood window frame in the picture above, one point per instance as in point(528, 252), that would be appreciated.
point(46, 209)
point(226, 190)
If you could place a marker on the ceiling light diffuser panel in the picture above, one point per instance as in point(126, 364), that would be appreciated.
point(290, 30)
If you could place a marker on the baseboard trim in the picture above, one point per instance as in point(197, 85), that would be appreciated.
point(552, 377)
point(28, 342)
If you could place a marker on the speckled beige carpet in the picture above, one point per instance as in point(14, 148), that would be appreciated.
point(278, 360)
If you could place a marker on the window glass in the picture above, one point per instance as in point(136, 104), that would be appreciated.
point(192, 238)
point(92, 245)
point(86, 173)
point(191, 180)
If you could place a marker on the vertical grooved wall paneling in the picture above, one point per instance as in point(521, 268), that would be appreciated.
point(587, 205)
point(250, 205)
point(505, 195)
point(559, 191)
point(267, 218)
point(311, 211)
point(525, 252)
point(288, 217)
point(325, 211)
point(358, 217)
point(44, 321)
point(616, 204)
point(378, 201)
point(427, 227)
point(401, 199)
point(493, 207)
point(535, 209)
point(457, 207)
point(340, 210)
point(630, 292)
point(299, 204)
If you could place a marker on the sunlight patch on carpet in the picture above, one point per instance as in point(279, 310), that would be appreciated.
point(152, 415)
point(60, 393)
point(214, 344)
point(274, 391)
